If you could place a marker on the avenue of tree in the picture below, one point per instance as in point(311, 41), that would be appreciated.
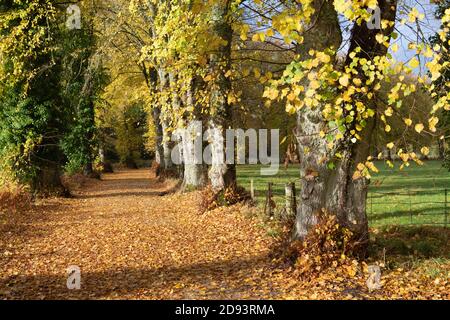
point(138, 70)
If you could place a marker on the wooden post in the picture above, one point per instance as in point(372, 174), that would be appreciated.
point(446, 206)
point(268, 209)
point(252, 190)
point(410, 208)
point(291, 204)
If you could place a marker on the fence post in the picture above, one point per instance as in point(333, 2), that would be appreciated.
point(252, 190)
point(268, 209)
point(446, 207)
point(410, 208)
point(291, 204)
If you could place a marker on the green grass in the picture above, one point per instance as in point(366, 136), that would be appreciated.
point(414, 195)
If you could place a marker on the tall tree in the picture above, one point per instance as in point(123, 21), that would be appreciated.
point(82, 79)
point(30, 105)
point(334, 86)
point(221, 174)
point(336, 190)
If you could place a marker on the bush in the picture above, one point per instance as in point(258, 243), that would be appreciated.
point(328, 244)
point(211, 199)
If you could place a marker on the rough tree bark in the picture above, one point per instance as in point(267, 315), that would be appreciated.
point(322, 188)
point(164, 85)
point(151, 78)
point(195, 172)
point(156, 80)
point(88, 113)
point(177, 104)
point(221, 174)
point(107, 166)
point(88, 169)
point(47, 180)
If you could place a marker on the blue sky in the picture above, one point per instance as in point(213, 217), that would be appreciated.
point(407, 32)
point(429, 26)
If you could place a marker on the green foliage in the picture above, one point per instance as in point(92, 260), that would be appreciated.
point(48, 86)
point(82, 80)
point(29, 113)
point(24, 122)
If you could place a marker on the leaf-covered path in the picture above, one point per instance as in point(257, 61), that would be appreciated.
point(131, 240)
point(134, 239)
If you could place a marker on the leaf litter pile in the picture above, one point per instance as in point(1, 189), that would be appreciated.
point(134, 239)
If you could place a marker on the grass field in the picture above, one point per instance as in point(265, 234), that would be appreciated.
point(414, 195)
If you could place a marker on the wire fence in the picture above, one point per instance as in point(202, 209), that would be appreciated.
point(408, 207)
point(411, 207)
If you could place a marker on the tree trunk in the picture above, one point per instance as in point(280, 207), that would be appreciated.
point(166, 146)
point(221, 174)
point(151, 77)
point(166, 138)
point(159, 150)
point(154, 84)
point(321, 188)
point(48, 181)
point(176, 103)
point(315, 183)
point(195, 172)
point(88, 169)
point(441, 148)
point(106, 166)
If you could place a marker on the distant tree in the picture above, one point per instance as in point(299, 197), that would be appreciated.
point(130, 128)
point(82, 80)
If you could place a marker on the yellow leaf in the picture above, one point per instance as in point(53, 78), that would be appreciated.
point(408, 122)
point(419, 127)
point(271, 93)
point(357, 81)
point(291, 96)
point(425, 151)
point(356, 175)
point(414, 63)
point(344, 80)
point(394, 47)
point(388, 112)
point(379, 37)
point(432, 122)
